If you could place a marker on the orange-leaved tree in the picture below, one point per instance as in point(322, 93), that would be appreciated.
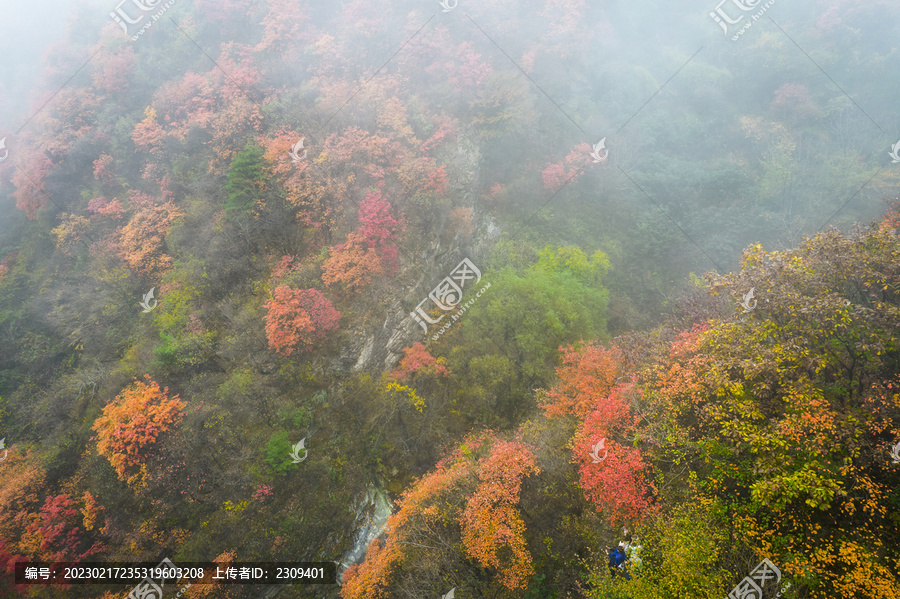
point(586, 377)
point(298, 317)
point(467, 507)
point(493, 531)
point(142, 244)
point(418, 514)
point(22, 486)
point(148, 134)
point(352, 264)
point(133, 422)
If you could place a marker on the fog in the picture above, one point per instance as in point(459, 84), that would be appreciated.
point(282, 277)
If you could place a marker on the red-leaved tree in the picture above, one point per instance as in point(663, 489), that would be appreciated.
point(298, 317)
point(380, 229)
point(613, 478)
point(417, 360)
point(555, 175)
point(611, 475)
point(103, 170)
point(55, 534)
point(8, 571)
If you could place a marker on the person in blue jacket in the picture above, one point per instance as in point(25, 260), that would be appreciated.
point(617, 559)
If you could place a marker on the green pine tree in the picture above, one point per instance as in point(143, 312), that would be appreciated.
point(245, 177)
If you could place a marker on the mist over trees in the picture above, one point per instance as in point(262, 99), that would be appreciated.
point(532, 271)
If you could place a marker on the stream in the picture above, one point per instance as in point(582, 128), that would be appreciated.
point(371, 517)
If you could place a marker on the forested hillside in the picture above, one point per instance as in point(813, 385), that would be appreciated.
point(519, 273)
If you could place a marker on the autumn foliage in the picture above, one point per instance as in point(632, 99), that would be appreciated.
point(132, 423)
point(586, 378)
point(475, 488)
point(103, 171)
point(587, 389)
point(369, 252)
point(22, 490)
point(148, 134)
point(555, 175)
point(718, 434)
point(758, 413)
point(417, 360)
point(100, 206)
point(617, 484)
point(493, 531)
point(380, 229)
point(142, 240)
point(352, 264)
point(30, 180)
point(370, 579)
point(56, 535)
point(298, 318)
point(8, 569)
point(71, 234)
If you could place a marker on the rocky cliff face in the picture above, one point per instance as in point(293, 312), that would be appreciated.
point(380, 349)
